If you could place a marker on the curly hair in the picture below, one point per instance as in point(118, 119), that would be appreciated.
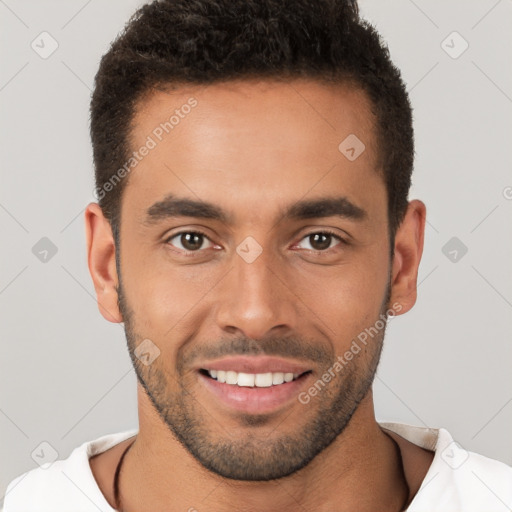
point(170, 42)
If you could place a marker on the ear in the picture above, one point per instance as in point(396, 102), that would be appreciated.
point(408, 250)
point(102, 262)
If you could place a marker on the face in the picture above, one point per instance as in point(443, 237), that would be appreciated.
point(252, 248)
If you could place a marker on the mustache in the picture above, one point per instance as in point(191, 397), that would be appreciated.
point(290, 347)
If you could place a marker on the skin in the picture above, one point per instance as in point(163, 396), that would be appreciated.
point(254, 148)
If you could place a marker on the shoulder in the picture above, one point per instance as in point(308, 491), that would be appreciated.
point(45, 489)
point(472, 472)
point(457, 479)
point(64, 484)
point(464, 480)
point(487, 476)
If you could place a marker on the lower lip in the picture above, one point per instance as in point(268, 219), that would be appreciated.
point(255, 400)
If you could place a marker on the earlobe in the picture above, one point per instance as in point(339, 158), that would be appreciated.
point(102, 262)
point(408, 251)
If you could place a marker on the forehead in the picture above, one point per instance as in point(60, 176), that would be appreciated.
point(252, 145)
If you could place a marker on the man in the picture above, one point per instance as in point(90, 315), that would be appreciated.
point(254, 234)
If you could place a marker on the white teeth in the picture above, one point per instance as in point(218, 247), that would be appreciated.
point(231, 377)
point(263, 380)
point(277, 378)
point(246, 379)
point(259, 380)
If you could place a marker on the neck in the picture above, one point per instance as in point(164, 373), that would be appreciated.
point(158, 473)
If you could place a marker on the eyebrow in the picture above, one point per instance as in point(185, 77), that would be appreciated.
point(172, 206)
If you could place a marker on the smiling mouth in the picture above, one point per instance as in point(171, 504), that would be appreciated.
point(252, 380)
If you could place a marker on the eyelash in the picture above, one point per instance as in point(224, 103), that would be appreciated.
point(323, 232)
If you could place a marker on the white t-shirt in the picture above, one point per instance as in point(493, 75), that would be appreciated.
point(457, 480)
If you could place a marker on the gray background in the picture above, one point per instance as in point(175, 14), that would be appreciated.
point(65, 373)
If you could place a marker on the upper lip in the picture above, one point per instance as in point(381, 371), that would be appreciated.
point(255, 364)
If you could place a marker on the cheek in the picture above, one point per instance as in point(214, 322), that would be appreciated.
point(347, 298)
point(166, 299)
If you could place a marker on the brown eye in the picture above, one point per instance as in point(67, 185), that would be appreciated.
point(191, 241)
point(321, 240)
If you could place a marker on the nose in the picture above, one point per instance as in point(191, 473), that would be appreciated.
point(256, 299)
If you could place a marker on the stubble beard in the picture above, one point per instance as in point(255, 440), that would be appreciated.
point(253, 457)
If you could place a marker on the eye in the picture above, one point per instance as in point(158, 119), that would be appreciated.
point(189, 241)
point(321, 241)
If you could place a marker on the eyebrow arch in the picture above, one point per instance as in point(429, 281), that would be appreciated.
point(325, 207)
point(172, 206)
